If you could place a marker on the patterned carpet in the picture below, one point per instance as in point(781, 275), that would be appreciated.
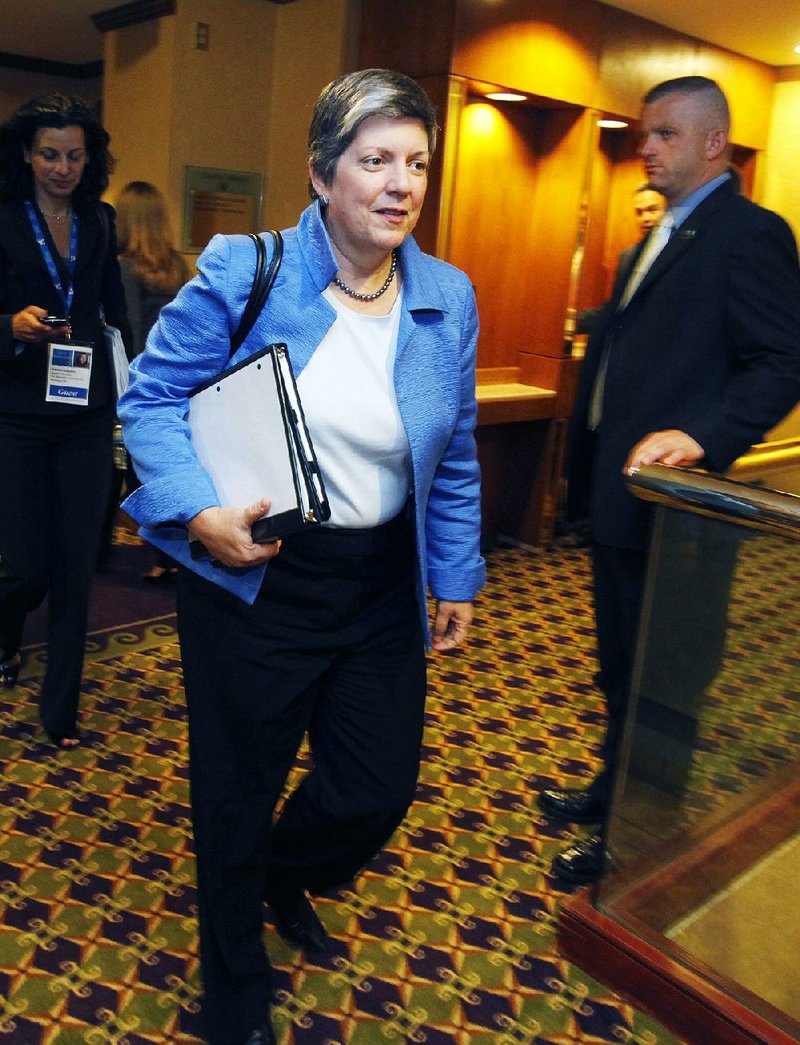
point(752, 725)
point(448, 937)
point(738, 648)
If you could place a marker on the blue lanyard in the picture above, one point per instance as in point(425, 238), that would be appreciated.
point(48, 257)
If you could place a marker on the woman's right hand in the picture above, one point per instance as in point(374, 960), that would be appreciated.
point(227, 534)
point(26, 325)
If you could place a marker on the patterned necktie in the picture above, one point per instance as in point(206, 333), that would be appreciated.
point(659, 237)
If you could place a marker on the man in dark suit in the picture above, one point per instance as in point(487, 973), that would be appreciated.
point(697, 356)
point(649, 207)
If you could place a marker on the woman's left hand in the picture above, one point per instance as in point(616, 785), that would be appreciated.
point(226, 533)
point(451, 624)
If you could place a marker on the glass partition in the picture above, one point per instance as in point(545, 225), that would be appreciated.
point(704, 833)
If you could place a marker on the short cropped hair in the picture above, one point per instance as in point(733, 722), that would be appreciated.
point(59, 111)
point(713, 94)
point(349, 100)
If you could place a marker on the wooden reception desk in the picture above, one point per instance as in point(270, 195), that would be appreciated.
point(519, 447)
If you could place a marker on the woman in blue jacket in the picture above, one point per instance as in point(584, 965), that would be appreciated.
point(323, 633)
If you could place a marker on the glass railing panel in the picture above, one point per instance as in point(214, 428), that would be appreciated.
point(705, 826)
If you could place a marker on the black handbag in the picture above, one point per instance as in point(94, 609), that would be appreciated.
point(263, 281)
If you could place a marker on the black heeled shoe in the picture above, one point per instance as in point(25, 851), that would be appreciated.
point(9, 670)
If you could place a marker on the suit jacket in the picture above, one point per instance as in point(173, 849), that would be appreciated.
point(25, 280)
point(588, 318)
point(434, 383)
point(709, 344)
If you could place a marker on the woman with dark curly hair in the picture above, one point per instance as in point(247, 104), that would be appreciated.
point(59, 274)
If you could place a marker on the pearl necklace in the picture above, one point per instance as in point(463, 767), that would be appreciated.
point(369, 297)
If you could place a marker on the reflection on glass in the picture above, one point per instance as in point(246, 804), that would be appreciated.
point(705, 830)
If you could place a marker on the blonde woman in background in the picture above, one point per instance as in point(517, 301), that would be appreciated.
point(152, 273)
point(152, 269)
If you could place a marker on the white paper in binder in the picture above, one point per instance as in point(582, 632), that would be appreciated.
point(249, 433)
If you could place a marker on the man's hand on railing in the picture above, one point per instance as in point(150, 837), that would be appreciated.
point(671, 447)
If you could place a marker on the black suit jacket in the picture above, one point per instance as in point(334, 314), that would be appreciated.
point(709, 344)
point(25, 280)
point(588, 318)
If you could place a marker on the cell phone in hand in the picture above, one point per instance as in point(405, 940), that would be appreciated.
point(55, 321)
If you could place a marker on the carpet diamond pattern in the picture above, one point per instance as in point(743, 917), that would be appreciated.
point(447, 938)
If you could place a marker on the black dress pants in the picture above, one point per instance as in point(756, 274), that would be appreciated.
point(332, 646)
point(687, 624)
point(54, 476)
point(618, 575)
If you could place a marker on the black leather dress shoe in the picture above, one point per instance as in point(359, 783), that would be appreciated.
point(583, 862)
point(578, 807)
point(263, 1035)
point(297, 921)
point(9, 670)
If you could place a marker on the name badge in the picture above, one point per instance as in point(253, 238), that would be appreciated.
point(69, 371)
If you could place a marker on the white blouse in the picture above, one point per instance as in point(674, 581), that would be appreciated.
point(350, 406)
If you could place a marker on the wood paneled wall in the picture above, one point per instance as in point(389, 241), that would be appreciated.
point(520, 180)
point(427, 230)
point(414, 37)
point(532, 200)
point(513, 182)
point(494, 219)
point(544, 47)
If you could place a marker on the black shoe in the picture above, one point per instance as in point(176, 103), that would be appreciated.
point(296, 920)
point(160, 574)
point(263, 1035)
point(9, 670)
point(578, 807)
point(583, 862)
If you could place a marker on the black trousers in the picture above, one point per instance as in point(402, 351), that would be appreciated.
point(685, 642)
point(618, 576)
point(54, 476)
point(687, 622)
point(333, 647)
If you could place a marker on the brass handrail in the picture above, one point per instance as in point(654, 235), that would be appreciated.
point(766, 460)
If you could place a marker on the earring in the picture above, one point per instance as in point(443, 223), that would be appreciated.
point(323, 200)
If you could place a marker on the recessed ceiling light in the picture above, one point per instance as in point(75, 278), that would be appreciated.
point(614, 125)
point(506, 96)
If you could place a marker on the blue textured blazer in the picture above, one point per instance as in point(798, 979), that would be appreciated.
point(434, 383)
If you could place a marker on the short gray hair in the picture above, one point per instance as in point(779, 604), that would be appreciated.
point(349, 100)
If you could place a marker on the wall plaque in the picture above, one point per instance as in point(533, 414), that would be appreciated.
point(216, 200)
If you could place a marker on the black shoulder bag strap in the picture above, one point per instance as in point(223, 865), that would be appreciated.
point(262, 284)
